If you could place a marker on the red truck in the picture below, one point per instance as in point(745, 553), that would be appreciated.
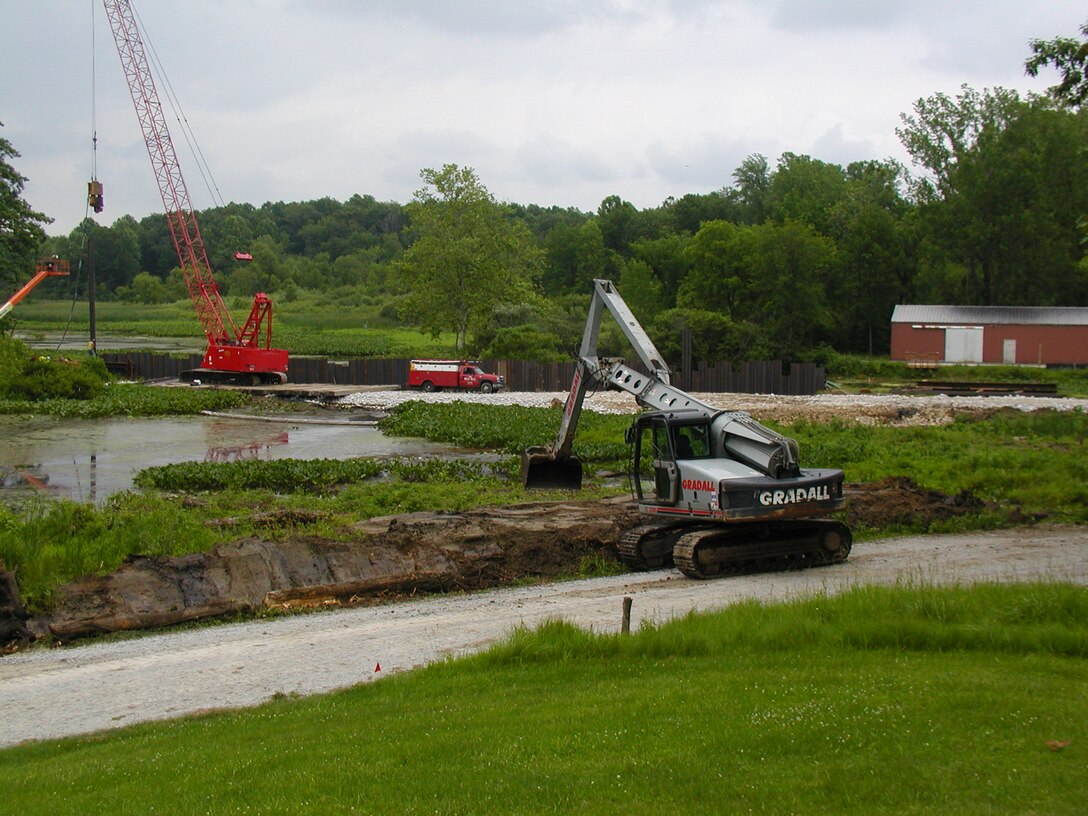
point(431, 375)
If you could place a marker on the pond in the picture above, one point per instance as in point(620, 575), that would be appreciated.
point(90, 460)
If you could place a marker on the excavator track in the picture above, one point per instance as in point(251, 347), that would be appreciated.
point(649, 546)
point(710, 552)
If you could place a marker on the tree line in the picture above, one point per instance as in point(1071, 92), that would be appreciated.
point(787, 257)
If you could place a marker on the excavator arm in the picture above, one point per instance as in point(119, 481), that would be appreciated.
point(554, 466)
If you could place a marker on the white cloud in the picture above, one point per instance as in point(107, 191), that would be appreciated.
point(553, 102)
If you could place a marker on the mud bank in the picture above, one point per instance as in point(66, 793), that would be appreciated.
point(391, 557)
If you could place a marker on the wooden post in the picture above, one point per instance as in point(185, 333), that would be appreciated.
point(625, 626)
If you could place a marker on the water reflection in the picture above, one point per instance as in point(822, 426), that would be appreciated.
point(251, 450)
point(90, 460)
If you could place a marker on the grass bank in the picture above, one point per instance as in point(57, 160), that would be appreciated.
point(882, 700)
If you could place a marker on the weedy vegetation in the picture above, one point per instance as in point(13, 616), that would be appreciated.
point(1025, 465)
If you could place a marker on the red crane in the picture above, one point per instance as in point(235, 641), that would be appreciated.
point(233, 355)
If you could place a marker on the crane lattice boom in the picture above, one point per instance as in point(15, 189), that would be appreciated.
point(228, 348)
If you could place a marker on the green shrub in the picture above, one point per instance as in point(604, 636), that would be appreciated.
point(25, 375)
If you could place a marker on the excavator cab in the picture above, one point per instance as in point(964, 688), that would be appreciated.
point(660, 442)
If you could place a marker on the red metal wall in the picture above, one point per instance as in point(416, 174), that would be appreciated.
point(906, 340)
point(1034, 344)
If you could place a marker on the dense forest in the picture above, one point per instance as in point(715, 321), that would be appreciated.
point(788, 257)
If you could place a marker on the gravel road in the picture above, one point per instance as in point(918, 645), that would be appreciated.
point(883, 409)
point(76, 690)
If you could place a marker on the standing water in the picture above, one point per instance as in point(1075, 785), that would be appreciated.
point(89, 460)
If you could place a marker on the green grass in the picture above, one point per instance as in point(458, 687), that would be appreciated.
point(305, 328)
point(884, 700)
point(130, 399)
point(1036, 462)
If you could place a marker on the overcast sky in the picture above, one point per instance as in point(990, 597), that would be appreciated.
point(558, 102)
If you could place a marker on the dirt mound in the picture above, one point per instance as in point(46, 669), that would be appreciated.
point(899, 501)
point(13, 630)
point(397, 555)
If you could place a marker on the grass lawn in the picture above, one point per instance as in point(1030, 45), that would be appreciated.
point(884, 700)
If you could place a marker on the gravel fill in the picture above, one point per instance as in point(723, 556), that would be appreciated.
point(891, 409)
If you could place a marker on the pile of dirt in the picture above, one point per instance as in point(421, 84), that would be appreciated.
point(393, 556)
point(13, 629)
point(899, 501)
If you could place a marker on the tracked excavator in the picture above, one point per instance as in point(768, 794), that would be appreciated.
point(722, 493)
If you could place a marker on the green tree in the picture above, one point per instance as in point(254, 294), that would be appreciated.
point(145, 288)
point(21, 228)
point(753, 182)
point(807, 190)
point(467, 257)
point(721, 269)
point(617, 220)
point(640, 288)
point(1070, 58)
point(668, 258)
point(116, 252)
point(592, 259)
point(791, 265)
point(1006, 187)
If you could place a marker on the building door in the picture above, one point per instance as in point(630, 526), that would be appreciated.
point(1008, 352)
point(963, 345)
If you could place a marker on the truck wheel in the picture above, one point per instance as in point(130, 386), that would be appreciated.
point(428, 386)
point(486, 388)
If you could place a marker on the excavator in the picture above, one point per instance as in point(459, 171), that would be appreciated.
point(722, 493)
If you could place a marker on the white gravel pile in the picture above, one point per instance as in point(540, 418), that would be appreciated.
point(894, 409)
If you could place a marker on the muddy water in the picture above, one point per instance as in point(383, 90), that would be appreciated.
point(89, 460)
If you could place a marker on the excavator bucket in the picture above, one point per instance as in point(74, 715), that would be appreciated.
point(541, 470)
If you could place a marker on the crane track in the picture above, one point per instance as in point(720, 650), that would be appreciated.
point(711, 552)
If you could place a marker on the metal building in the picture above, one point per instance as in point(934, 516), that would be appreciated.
point(1024, 335)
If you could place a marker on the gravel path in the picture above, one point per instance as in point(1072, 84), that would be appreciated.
point(884, 409)
point(76, 690)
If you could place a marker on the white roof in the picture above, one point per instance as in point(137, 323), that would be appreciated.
point(1018, 315)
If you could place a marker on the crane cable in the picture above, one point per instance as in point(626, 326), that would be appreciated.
point(179, 114)
point(84, 225)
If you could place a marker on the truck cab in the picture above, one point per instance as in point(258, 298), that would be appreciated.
point(462, 375)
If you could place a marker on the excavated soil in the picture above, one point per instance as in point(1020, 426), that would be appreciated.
point(392, 557)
